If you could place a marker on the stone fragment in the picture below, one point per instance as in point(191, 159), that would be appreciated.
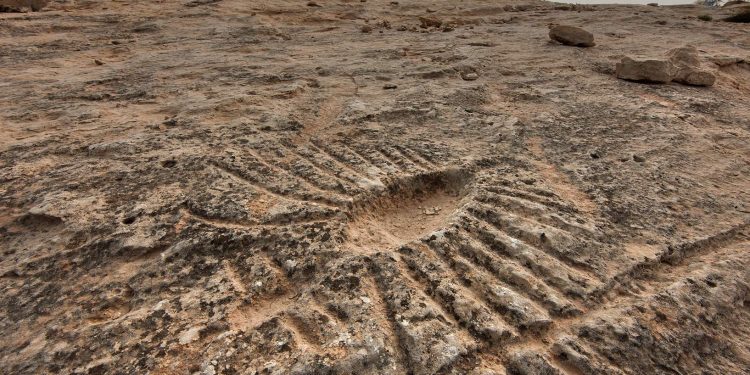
point(695, 77)
point(688, 67)
point(470, 76)
point(572, 36)
point(722, 60)
point(656, 71)
point(189, 335)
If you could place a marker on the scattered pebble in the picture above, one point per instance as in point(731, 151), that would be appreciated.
point(470, 76)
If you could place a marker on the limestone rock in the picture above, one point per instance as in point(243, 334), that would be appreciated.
point(572, 36)
point(656, 71)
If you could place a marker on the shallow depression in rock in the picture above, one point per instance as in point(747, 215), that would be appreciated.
point(408, 210)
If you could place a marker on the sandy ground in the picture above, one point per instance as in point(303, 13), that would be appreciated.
point(275, 187)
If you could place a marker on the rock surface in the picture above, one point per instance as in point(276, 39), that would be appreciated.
point(234, 192)
point(572, 36)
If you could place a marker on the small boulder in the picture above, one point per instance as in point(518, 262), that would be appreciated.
point(688, 67)
point(656, 71)
point(571, 36)
point(695, 77)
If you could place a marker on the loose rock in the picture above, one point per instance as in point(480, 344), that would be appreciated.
point(723, 61)
point(688, 67)
point(470, 76)
point(656, 71)
point(572, 36)
point(695, 77)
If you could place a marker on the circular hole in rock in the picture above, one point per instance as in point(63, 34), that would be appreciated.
point(407, 210)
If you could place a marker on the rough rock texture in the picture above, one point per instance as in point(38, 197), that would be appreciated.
point(645, 70)
point(572, 36)
point(232, 191)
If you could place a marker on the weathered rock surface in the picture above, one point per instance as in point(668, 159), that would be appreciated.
point(258, 187)
point(572, 36)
